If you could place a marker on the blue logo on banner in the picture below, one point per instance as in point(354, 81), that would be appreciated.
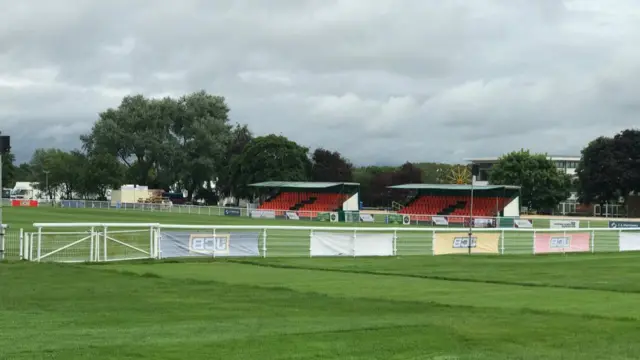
point(624, 224)
point(232, 212)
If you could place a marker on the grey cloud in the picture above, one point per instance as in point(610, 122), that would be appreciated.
point(381, 81)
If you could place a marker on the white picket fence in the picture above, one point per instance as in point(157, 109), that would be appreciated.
point(102, 242)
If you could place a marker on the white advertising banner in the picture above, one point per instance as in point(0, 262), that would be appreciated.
point(263, 214)
point(292, 215)
point(345, 244)
point(440, 220)
point(368, 244)
point(332, 244)
point(366, 217)
point(564, 224)
point(629, 241)
point(522, 223)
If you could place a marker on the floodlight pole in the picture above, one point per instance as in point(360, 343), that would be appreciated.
point(471, 216)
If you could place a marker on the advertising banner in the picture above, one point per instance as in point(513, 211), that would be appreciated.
point(366, 218)
point(232, 212)
point(624, 224)
point(323, 216)
point(345, 244)
point(393, 219)
point(564, 224)
point(522, 223)
point(629, 241)
point(290, 215)
point(440, 220)
point(559, 242)
point(458, 243)
point(175, 244)
point(263, 214)
point(483, 222)
point(24, 203)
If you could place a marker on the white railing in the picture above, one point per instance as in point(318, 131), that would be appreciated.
point(98, 242)
point(379, 217)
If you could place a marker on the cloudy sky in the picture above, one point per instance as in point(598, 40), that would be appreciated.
point(382, 81)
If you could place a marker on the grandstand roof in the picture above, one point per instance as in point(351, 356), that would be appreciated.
point(451, 187)
point(302, 184)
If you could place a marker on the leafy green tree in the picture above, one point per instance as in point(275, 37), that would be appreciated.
point(138, 133)
point(599, 172)
point(270, 158)
point(202, 132)
point(8, 170)
point(24, 172)
point(103, 172)
point(626, 152)
point(543, 186)
point(330, 166)
point(240, 137)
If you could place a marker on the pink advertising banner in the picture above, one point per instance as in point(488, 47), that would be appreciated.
point(561, 242)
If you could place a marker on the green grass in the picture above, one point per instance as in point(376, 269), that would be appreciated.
point(325, 309)
point(407, 307)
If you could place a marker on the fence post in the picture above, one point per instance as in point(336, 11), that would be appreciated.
point(433, 243)
point(502, 242)
point(104, 239)
point(395, 242)
point(619, 235)
point(564, 235)
point(354, 242)
point(92, 245)
point(39, 251)
point(534, 242)
point(310, 240)
point(21, 255)
point(264, 243)
point(593, 241)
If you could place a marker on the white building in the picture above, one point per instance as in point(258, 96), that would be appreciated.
point(567, 164)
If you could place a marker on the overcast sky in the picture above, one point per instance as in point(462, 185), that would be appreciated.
point(382, 81)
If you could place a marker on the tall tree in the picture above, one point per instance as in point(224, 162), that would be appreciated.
point(50, 170)
point(103, 172)
point(626, 151)
point(407, 174)
point(8, 170)
point(543, 186)
point(330, 167)
point(24, 172)
point(202, 131)
point(599, 173)
point(137, 132)
point(240, 137)
point(270, 158)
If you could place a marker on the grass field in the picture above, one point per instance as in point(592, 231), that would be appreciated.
point(417, 307)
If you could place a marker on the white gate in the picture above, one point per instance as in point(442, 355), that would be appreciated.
point(60, 246)
point(95, 243)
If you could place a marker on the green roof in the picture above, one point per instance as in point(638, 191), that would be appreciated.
point(451, 187)
point(302, 184)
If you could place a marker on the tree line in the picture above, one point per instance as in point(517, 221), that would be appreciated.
point(190, 144)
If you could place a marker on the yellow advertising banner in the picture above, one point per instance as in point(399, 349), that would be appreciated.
point(458, 243)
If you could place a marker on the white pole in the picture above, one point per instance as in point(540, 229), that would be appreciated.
point(264, 243)
point(471, 215)
point(1, 203)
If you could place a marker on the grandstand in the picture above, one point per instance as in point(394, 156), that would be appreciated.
point(454, 201)
point(309, 198)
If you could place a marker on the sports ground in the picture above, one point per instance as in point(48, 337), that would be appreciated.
point(413, 307)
